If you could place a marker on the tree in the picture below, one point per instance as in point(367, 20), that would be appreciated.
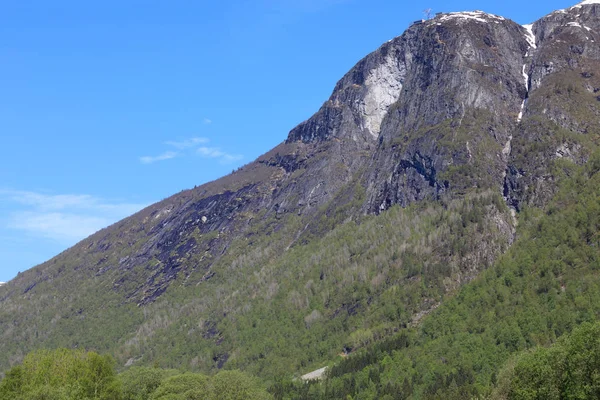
point(62, 375)
point(138, 383)
point(186, 386)
point(569, 369)
point(235, 385)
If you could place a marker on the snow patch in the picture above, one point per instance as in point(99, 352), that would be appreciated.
point(384, 85)
point(524, 102)
point(579, 5)
point(586, 2)
point(526, 78)
point(530, 37)
point(478, 16)
point(520, 116)
point(578, 25)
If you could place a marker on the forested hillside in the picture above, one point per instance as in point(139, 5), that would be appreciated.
point(429, 233)
point(541, 289)
point(505, 335)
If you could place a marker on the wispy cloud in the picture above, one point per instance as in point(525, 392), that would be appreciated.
point(65, 218)
point(211, 152)
point(58, 226)
point(195, 145)
point(207, 121)
point(161, 157)
point(215, 152)
point(187, 143)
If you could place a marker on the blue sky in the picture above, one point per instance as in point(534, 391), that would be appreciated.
point(108, 106)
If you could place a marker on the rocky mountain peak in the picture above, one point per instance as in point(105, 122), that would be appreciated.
point(575, 16)
point(467, 16)
point(362, 98)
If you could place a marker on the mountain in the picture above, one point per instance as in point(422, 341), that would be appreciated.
point(409, 181)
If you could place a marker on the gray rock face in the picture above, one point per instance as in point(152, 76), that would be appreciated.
point(359, 101)
point(435, 110)
point(562, 111)
point(405, 105)
point(459, 102)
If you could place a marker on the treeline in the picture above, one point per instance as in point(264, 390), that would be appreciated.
point(78, 375)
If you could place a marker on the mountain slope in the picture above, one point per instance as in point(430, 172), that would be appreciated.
point(542, 288)
point(306, 251)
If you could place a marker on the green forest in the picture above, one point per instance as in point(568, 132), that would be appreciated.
point(526, 328)
point(510, 319)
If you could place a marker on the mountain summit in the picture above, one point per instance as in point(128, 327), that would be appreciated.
point(403, 186)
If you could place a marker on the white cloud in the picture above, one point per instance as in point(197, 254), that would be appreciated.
point(62, 227)
point(64, 218)
point(215, 152)
point(194, 145)
point(211, 152)
point(50, 202)
point(164, 156)
point(207, 121)
point(187, 143)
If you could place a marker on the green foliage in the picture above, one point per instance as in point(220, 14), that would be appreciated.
point(569, 369)
point(226, 385)
point(138, 383)
point(61, 374)
point(183, 387)
point(235, 385)
point(76, 375)
point(285, 298)
point(301, 303)
point(543, 287)
point(359, 289)
point(364, 288)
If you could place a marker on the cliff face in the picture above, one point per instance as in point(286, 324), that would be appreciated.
point(460, 104)
point(561, 111)
point(456, 112)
